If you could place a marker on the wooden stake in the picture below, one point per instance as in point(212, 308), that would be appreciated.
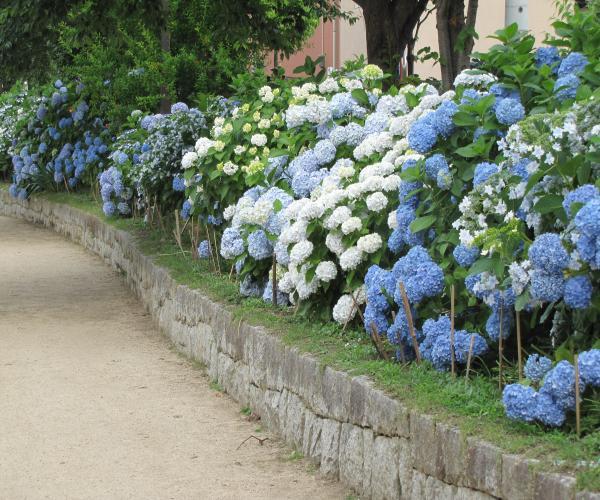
point(274, 282)
point(349, 318)
point(519, 350)
point(411, 326)
point(357, 307)
point(452, 354)
point(577, 397)
point(231, 272)
point(470, 355)
point(377, 342)
point(500, 349)
point(216, 254)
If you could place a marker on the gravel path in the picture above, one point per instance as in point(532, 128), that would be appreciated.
point(94, 404)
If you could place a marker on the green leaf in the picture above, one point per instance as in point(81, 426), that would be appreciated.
point(522, 301)
point(470, 151)
point(549, 203)
point(464, 119)
point(421, 223)
point(481, 265)
point(361, 97)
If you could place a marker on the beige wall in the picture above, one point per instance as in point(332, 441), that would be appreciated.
point(491, 17)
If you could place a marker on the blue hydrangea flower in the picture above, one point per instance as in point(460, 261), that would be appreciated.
point(422, 136)
point(179, 107)
point(442, 120)
point(342, 104)
point(186, 209)
point(380, 284)
point(566, 87)
point(582, 195)
point(509, 111)
point(204, 249)
point(547, 411)
point(492, 325)
point(546, 287)
point(324, 152)
point(232, 244)
point(13, 190)
point(109, 208)
point(559, 384)
point(250, 287)
point(573, 64)
point(483, 171)
point(267, 296)
point(259, 246)
point(421, 276)
point(281, 253)
point(589, 367)
point(434, 164)
point(578, 292)
point(587, 219)
point(465, 256)
point(520, 168)
point(503, 92)
point(536, 367)
point(547, 253)
point(122, 206)
point(519, 402)
point(548, 56)
point(376, 122)
point(376, 318)
point(178, 184)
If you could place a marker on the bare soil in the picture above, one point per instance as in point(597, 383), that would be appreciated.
point(94, 404)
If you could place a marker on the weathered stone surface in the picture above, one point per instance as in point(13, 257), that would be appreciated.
point(355, 432)
point(518, 477)
point(451, 454)
point(554, 487)
point(330, 447)
point(424, 444)
point(484, 467)
point(336, 393)
point(351, 456)
point(385, 480)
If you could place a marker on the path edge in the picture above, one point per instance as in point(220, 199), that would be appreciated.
point(356, 433)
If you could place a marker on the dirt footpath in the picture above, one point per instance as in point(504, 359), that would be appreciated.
point(94, 404)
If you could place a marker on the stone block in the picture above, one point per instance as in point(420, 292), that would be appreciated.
point(423, 443)
point(311, 438)
point(330, 448)
point(386, 415)
point(351, 456)
point(484, 467)
point(550, 486)
point(360, 389)
point(518, 477)
point(385, 480)
point(451, 454)
point(336, 394)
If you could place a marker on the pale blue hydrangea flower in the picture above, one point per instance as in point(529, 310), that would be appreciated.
point(536, 367)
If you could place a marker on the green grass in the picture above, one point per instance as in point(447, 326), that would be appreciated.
point(474, 407)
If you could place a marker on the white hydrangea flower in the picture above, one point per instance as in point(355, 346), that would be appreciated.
point(338, 217)
point(328, 86)
point(202, 146)
point(377, 201)
point(392, 220)
point(326, 271)
point(301, 251)
point(259, 140)
point(344, 310)
point(229, 212)
point(351, 258)
point(230, 168)
point(351, 225)
point(333, 241)
point(188, 159)
point(369, 243)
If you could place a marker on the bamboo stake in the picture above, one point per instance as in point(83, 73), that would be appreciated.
point(377, 342)
point(411, 326)
point(500, 346)
point(470, 355)
point(216, 255)
point(231, 272)
point(357, 307)
point(274, 282)
point(452, 354)
point(577, 397)
point(519, 350)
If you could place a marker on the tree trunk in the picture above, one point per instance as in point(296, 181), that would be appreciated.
point(389, 25)
point(451, 21)
point(165, 45)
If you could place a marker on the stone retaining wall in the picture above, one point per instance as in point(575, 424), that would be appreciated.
point(356, 433)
